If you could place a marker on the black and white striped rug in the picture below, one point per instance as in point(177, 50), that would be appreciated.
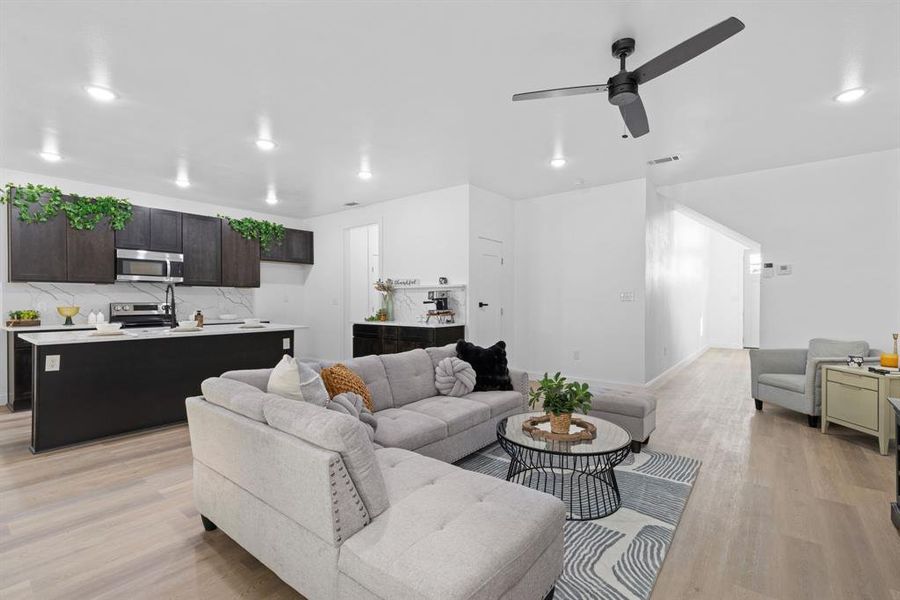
point(617, 557)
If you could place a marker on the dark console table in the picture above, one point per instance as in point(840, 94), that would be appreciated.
point(895, 506)
point(391, 338)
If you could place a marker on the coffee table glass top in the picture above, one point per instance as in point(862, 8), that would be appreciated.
point(610, 437)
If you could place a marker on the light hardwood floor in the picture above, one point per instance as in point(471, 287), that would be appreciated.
point(779, 510)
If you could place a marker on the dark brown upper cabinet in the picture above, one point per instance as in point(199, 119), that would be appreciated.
point(91, 254)
point(165, 230)
point(202, 248)
point(240, 259)
point(37, 251)
point(153, 229)
point(296, 247)
point(136, 234)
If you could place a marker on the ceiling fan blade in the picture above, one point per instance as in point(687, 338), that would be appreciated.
point(688, 49)
point(635, 117)
point(555, 93)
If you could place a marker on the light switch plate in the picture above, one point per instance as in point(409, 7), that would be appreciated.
point(785, 269)
point(51, 362)
point(626, 297)
point(285, 343)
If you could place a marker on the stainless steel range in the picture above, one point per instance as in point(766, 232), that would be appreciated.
point(135, 314)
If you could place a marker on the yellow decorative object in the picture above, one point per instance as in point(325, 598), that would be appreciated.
point(890, 360)
point(68, 312)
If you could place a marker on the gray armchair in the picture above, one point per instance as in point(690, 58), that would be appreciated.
point(792, 378)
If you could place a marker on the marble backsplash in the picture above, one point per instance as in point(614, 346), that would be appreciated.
point(45, 297)
point(409, 307)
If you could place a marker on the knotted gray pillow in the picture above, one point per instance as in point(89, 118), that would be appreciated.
point(454, 377)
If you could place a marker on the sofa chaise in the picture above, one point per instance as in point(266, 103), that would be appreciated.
point(335, 515)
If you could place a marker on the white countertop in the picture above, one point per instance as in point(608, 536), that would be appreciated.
point(432, 325)
point(53, 338)
point(84, 326)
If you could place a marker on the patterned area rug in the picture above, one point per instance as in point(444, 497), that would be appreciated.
point(617, 557)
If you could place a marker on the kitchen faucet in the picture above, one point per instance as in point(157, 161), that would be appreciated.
point(170, 305)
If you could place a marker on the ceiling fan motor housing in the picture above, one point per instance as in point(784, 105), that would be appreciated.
point(623, 89)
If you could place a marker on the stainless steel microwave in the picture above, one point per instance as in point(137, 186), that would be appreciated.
point(143, 265)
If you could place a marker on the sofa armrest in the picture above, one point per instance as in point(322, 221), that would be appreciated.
point(258, 378)
point(520, 384)
point(790, 360)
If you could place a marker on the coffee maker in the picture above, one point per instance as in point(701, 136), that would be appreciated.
point(440, 299)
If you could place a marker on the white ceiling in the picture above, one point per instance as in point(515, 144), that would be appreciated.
point(422, 91)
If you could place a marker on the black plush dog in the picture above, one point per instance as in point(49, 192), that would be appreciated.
point(491, 372)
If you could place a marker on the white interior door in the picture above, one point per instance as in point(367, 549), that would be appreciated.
point(362, 268)
point(487, 314)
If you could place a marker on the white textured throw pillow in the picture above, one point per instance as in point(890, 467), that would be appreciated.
point(285, 379)
point(454, 377)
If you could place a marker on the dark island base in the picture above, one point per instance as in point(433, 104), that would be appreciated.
point(895, 514)
point(110, 388)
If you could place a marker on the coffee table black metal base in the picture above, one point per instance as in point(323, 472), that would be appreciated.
point(586, 483)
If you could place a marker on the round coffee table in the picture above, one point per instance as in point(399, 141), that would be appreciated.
point(581, 474)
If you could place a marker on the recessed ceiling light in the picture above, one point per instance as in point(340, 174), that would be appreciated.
point(271, 198)
point(100, 93)
point(851, 95)
point(264, 144)
point(365, 175)
point(558, 163)
point(183, 182)
point(51, 156)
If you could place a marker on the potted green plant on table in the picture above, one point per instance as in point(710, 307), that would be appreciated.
point(560, 399)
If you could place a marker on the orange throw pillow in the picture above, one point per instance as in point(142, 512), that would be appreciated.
point(339, 379)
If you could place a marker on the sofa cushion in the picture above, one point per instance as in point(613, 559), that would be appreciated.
point(340, 378)
point(339, 433)
point(401, 428)
point(499, 402)
point(411, 375)
point(492, 372)
point(458, 413)
point(825, 348)
point(785, 381)
point(371, 370)
point(449, 533)
point(236, 396)
point(439, 353)
point(631, 403)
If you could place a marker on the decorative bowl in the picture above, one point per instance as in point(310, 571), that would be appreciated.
point(187, 324)
point(108, 327)
point(68, 312)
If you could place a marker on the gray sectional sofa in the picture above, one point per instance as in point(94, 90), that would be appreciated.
point(335, 515)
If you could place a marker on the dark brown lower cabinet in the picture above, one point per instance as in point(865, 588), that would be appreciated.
point(391, 339)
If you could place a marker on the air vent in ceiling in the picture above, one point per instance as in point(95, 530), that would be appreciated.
point(664, 159)
point(351, 203)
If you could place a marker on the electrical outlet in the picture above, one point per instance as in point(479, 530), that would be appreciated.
point(285, 343)
point(626, 297)
point(576, 355)
point(51, 362)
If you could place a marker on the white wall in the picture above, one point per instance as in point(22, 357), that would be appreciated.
point(278, 298)
point(425, 236)
point(575, 253)
point(491, 216)
point(838, 223)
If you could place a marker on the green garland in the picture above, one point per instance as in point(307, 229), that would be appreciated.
point(252, 229)
point(39, 203)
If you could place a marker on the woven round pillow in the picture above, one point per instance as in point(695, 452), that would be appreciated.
point(454, 377)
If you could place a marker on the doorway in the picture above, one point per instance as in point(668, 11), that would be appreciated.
point(752, 271)
point(487, 313)
point(362, 268)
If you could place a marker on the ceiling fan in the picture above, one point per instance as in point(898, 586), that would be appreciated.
point(623, 86)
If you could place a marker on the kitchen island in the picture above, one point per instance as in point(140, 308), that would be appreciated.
point(88, 386)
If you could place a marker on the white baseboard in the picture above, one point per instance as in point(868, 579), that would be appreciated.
point(4, 398)
point(671, 371)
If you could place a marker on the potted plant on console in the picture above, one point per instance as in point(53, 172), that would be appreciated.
point(560, 399)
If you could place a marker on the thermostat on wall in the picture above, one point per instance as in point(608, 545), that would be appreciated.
point(768, 270)
point(784, 269)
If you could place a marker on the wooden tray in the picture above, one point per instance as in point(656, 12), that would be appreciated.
point(23, 322)
point(588, 431)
